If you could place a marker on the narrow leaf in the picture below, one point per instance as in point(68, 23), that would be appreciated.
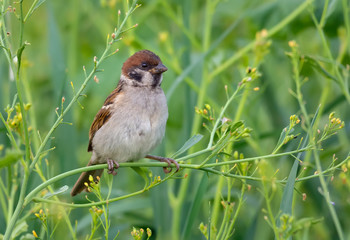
point(236, 125)
point(21, 227)
point(331, 7)
point(195, 207)
point(287, 198)
point(143, 174)
point(317, 66)
point(38, 3)
point(10, 158)
point(59, 191)
point(282, 137)
point(189, 143)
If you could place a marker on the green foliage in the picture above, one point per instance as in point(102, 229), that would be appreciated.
point(258, 95)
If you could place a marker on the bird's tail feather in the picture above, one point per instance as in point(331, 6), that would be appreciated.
point(79, 186)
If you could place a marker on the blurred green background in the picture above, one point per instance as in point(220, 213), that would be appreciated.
point(64, 36)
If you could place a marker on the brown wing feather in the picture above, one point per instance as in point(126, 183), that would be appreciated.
point(103, 115)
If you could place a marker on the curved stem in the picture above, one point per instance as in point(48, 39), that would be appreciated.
point(218, 120)
point(18, 209)
point(207, 168)
point(270, 33)
point(35, 199)
point(27, 171)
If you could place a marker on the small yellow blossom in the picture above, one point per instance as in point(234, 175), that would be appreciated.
point(263, 33)
point(91, 178)
point(163, 36)
point(292, 43)
point(149, 232)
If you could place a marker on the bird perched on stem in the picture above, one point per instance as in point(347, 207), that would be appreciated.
point(132, 119)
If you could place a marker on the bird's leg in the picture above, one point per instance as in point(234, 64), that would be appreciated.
point(112, 166)
point(169, 161)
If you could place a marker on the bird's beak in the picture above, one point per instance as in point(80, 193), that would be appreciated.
point(160, 68)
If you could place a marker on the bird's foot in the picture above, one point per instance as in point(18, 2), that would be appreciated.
point(169, 161)
point(112, 166)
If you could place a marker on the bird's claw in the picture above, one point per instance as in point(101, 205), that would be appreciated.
point(112, 166)
point(169, 161)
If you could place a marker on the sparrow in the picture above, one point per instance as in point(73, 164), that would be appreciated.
point(132, 120)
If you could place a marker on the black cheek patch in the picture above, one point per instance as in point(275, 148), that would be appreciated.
point(136, 76)
point(156, 79)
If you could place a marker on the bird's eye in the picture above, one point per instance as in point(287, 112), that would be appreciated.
point(144, 65)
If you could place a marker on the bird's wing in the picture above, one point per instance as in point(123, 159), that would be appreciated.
point(103, 115)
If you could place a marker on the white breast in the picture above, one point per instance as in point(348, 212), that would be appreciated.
point(136, 127)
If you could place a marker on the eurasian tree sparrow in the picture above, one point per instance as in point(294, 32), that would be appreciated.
point(132, 119)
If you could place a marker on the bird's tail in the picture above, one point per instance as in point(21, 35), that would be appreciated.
point(79, 186)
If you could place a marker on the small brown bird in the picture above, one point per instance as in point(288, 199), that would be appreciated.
point(132, 119)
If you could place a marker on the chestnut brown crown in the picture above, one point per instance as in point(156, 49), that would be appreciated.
point(144, 60)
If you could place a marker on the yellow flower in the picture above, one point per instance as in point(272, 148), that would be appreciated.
point(34, 234)
point(163, 36)
point(292, 43)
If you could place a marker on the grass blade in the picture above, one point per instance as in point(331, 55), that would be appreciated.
point(287, 198)
point(195, 207)
point(188, 144)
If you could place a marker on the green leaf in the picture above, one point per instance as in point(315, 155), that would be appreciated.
point(28, 236)
point(317, 66)
point(140, 171)
point(59, 191)
point(287, 197)
point(236, 125)
point(195, 206)
point(305, 222)
point(331, 7)
point(10, 157)
point(189, 143)
point(20, 228)
point(282, 137)
point(38, 4)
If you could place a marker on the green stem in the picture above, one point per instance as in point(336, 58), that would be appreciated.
point(207, 168)
point(346, 11)
point(240, 204)
point(219, 119)
point(324, 14)
point(27, 171)
point(282, 24)
point(345, 91)
point(227, 214)
point(340, 80)
point(173, 16)
point(209, 11)
point(103, 202)
point(4, 39)
point(269, 210)
point(229, 62)
point(220, 185)
point(31, 10)
point(327, 197)
point(18, 209)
